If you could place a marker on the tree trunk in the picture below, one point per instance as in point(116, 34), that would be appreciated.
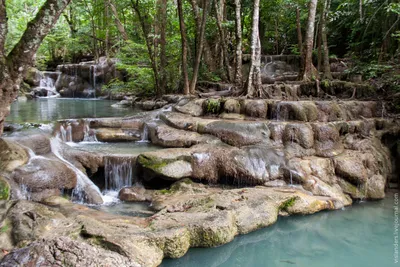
point(208, 59)
point(308, 70)
point(162, 11)
point(327, 67)
point(299, 35)
point(120, 27)
point(146, 28)
point(224, 46)
point(319, 44)
point(238, 35)
point(184, 49)
point(200, 45)
point(254, 79)
point(15, 65)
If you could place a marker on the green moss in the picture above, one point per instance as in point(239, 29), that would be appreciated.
point(4, 228)
point(153, 163)
point(287, 204)
point(175, 187)
point(212, 106)
point(4, 189)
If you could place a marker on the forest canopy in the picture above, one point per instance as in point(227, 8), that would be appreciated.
point(145, 35)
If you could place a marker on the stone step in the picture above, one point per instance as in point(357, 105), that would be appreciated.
point(308, 135)
point(307, 111)
point(337, 89)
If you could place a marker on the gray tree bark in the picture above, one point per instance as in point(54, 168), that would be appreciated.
point(238, 35)
point(326, 65)
point(308, 70)
point(254, 80)
point(14, 65)
point(184, 49)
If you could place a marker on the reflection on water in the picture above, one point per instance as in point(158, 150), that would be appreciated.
point(52, 109)
point(134, 209)
point(361, 235)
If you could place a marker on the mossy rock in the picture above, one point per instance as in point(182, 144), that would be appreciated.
point(287, 204)
point(12, 156)
point(212, 106)
point(4, 189)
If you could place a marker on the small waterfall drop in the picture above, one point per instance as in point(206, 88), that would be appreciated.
point(66, 133)
point(383, 110)
point(83, 182)
point(93, 70)
point(145, 134)
point(89, 134)
point(47, 83)
point(118, 173)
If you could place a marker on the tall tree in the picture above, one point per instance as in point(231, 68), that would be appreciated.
point(184, 49)
point(120, 26)
point(253, 87)
point(219, 9)
point(308, 69)
point(326, 65)
point(14, 65)
point(147, 33)
point(200, 45)
point(162, 15)
point(238, 35)
point(299, 34)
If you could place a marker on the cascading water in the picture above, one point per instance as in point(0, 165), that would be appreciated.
point(118, 173)
point(47, 83)
point(66, 133)
point(88, 134)
point(93, 70)
point(83, 182)
point(145, 134)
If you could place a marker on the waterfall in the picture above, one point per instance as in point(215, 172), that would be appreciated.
point(118, 173)
point(83, 182)
point(278, 111)
point(66, 133)
point(145, 134)
point(93, 69)
point(47, 83)
point(383, 110)
point(89, 135)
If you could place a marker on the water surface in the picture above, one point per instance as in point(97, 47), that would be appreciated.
point(52, 109)
point(358, 236)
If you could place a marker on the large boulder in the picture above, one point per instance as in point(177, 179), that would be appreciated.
point(64, 251)
point(42, 173)
point(256, 108)
point(351, 168)
point(193, 108)
point(12, 155)
point(163, 135)
point(238, 133)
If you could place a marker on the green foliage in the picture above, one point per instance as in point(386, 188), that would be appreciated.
point(369, 70)
point(213, 106)
point(287, 204)
point(4, 228)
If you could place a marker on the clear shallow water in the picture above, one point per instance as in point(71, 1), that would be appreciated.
point(359, 236)
point(134, 209)
point(52, 109)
